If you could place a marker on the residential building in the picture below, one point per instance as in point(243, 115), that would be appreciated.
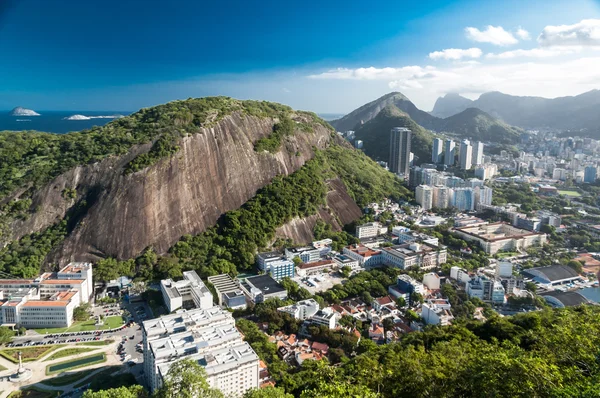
point(262, 287)
point(306, 254)
point(504, 269)
point(438, 150)
point(500, 236)
point(463, 199)
point(482, 196)
point(229, 292)
point(409, 284)
point(400, 147)
point(590, 174)
point(442, 196)
point(415, 255)
point(190, 292)
point(486, 289)
point(206, 336)
point(466, 153)
point(437, 312)
point(477, 154)
point(301, 310)
point(459, 274)
point(530, 224)
point(368, 230)
point(47, 301)
point(326, 317)
point(449, 152)
point(424, 196)
point(432, 281)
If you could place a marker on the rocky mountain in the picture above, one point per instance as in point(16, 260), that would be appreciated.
point(450, 104)
point(372, 123)
point(19, 111)
point(176, 170)
point(564, 113)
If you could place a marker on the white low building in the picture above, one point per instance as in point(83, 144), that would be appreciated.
point(190, 292)
point(432, 281)
point(437, 312)
point(301, 310)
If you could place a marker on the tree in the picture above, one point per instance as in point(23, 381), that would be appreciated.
point(531, 287)
point(346, 270)
point(268, 392)
point(400, 302)
point(187, 379)
point(121, 392)
point(81, 313)
point(6, 334)
point(339, 389)
point(576, 265)
point(416, 298)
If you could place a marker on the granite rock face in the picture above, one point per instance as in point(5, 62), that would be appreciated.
point(214, 171)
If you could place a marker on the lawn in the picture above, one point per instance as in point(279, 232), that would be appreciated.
point(106, 379)
point(35, 392)
point(2, 368)
point(507, 254)
point(75, 363)
point(85, 326)
point(28, 354)
point(68, 352)
point(574, 194)
point(97, 343)
point(68, 379)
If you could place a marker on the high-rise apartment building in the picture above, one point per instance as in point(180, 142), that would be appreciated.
point(400, 151)
point(466, 153)
point(441, 196)
point(463, 199)
point(449, 153)
point(437, 151)
point(590, 174)
point(424, 196)
point(477, 154)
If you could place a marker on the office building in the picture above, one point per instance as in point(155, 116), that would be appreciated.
point(486, 289)
point(301, 310)
point(307, 254)
point(424, 196)
point(449, 153)
point(500, 236)
point(47, 301)
point(206, 336)
point(369, 230)
point(262, 287)
point(189, 293)
point(276, 265)
point(229, 292)
point(590, 174)
point(415, 255)
point(438, 151)
point(400, 140)
point(477, 154)
point(466, 154)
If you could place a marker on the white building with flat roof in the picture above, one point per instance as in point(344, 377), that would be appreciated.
point(208, 336)
point(301, 310)
point(190, 292)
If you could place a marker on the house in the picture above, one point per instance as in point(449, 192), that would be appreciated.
point(383, 302)
point(437, 312)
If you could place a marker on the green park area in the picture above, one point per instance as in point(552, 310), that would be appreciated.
point(110, 322)
point(75, 364)
point(573, 194)
point(68, 352)
point(35, 392)
point(28, 354)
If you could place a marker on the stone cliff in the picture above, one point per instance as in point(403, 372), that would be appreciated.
point(214, 171)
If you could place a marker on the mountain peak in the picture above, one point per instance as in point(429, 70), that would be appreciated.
point(450, 104)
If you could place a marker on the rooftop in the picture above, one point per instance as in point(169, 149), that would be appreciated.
point(265, 284)
point(553, 272)
point(568, 299)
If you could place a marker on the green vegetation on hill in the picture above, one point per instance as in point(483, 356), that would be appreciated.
point(29, 159)
point(478, 125)
point(231, 245)
point(375, 135)
point(272, 143)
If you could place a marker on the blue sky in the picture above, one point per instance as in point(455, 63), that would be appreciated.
point(322, 56)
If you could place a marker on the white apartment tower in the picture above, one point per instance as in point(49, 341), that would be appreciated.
point(477, 154)
point(400, 138)
point(438, 150)
point(424, 196)
point(466, 153)
point(449, 153)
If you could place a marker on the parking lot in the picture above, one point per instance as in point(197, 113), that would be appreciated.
point(323, 281)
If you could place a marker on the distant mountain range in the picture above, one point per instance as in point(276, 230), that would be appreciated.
point(578, 113)
point(372, 123)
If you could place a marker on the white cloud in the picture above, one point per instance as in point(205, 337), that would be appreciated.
point(550, 79)
point(456, 54)
point(534, 53)
point(523, 34)
point(370, 73)
point(492, 34)
point(584, 33)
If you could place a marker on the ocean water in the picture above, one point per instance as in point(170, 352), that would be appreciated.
point(54, 121)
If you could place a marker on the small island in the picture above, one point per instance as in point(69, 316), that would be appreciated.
point(20, 111)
